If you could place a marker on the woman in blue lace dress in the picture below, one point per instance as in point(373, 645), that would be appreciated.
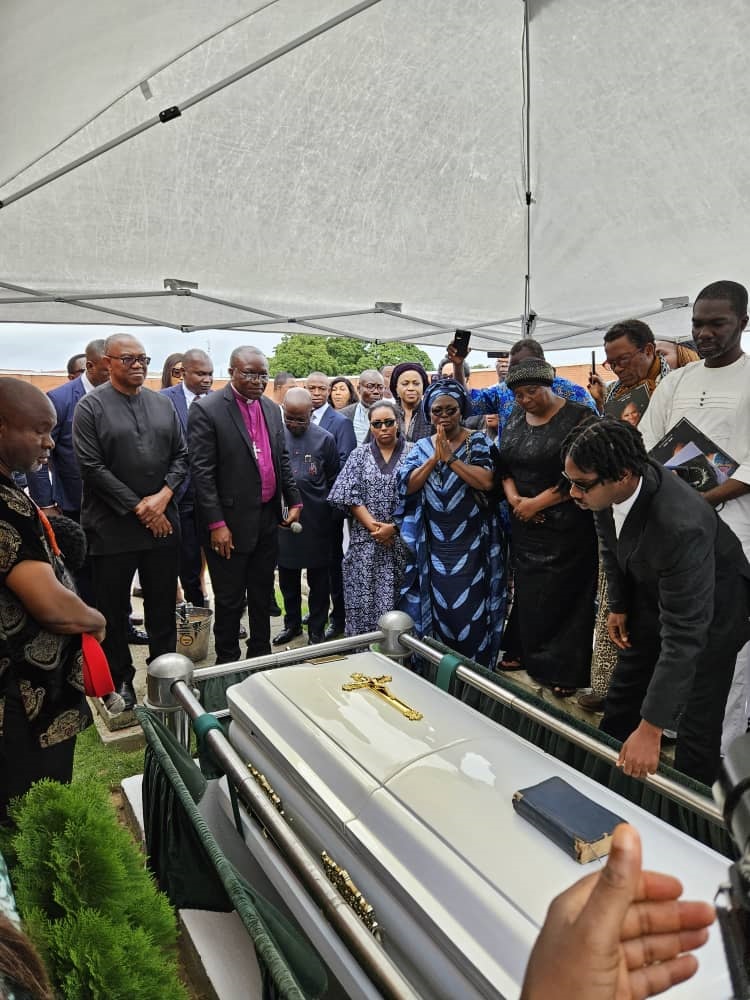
point(454, 582)
point(367, 489)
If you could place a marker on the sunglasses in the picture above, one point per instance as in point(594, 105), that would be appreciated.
point(583, 487)
point(444, 411)
point(130, 359)
point(377, 424)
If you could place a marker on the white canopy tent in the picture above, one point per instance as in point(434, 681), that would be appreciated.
point(371, 181)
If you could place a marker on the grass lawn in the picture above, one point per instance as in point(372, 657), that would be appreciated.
point(103, 765)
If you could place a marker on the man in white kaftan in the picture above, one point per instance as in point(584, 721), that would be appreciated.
point(714, 395)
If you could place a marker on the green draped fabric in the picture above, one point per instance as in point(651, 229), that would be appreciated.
point(194, 873)
point(681, 817)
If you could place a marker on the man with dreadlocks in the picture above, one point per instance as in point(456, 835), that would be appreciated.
point(679, 591)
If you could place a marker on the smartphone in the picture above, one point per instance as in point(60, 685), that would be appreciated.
point(593, 362)
point(461, 342)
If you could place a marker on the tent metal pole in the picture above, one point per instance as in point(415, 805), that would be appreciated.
point(168, 114)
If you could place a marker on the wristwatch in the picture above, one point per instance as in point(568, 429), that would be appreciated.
point(451, 460)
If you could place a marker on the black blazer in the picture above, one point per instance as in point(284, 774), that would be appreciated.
point(680, 575)
point(225, 474)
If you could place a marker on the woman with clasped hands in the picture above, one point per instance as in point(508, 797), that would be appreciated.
point(621, 934)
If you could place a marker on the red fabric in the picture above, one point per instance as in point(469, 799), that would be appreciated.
point(97, 680)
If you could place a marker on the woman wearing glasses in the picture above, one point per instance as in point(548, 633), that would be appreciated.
point(553, 543)
point(172, 372)
point(367, 489)
point(454, 582)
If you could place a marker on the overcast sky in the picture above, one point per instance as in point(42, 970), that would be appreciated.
point(44, 348)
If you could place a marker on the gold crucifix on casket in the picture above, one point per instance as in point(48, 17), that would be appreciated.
point(361, 682)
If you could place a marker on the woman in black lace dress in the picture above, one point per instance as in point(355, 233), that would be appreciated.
point(553, 542)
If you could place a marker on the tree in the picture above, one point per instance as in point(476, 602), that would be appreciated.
point(301, 354)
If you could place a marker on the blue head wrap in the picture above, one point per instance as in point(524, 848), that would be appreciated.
point(446, 387)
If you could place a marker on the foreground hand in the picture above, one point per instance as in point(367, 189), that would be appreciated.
point(150, 508)
point(384, 534)
point(160, 527)
point(617, 628)
point(99, 634)
point(292, 516)
point(221, 542)
point(453, 354)
point(620, 934)
point(639, 754)
point(526, 509)
point(596, 390)
point(443, 450)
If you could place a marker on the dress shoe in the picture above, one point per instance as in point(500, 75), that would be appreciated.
point(305, 619)
point(591, 702)
point(242, 634)
point(286, 635)
point(276, 611)
point(333, 632)
point(136, 637)
point(126, 692)
point(314, 638)
point(136, 619)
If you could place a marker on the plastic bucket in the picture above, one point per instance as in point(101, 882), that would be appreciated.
point(193, 631)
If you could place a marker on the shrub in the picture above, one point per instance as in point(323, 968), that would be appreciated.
point(87, 900)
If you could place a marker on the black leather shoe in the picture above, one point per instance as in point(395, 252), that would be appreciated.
point(127, 693)
point(305, 619)
point(314, 638)
point(242, 634)
point(285, 635)
point(276, 611)
point(136, 637)
point(333, 632)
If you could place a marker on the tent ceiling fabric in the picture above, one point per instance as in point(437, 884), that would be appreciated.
point(381, 161)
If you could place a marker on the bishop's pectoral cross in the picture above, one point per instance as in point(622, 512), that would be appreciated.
point(361, 682)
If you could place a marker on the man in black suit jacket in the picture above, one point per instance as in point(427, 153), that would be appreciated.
point(342, 429)
point(679, 593)
point(240, 471)
point(197, 379)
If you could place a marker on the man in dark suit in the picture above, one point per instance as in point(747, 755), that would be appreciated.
point(197, 379)
point(342, 429)
point(315, 465)
point(56, 488)
point(371, 389)
point(679, 594)
point(240, 471)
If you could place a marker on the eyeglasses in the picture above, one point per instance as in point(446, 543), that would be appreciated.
point(582, 487)
point(250, 376)
point(178, 372)
point(372, 386)
point(623, 361)
point(377, 424)
point(296, 420)
point(444, 411)
point(130, 359)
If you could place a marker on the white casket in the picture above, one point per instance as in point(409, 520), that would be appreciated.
point(420, 815)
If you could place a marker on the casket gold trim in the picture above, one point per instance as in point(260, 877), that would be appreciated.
point(341, 880)
point(361, 682)
point(264, 783)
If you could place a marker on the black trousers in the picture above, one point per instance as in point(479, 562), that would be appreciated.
point(22, 760)
point(698, 750)
point(335, 577)
point(246, 577)
point(190, 556)
point(317, 602)
point(113, 575)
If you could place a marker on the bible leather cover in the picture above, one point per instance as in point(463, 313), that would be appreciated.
point(582, 828)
